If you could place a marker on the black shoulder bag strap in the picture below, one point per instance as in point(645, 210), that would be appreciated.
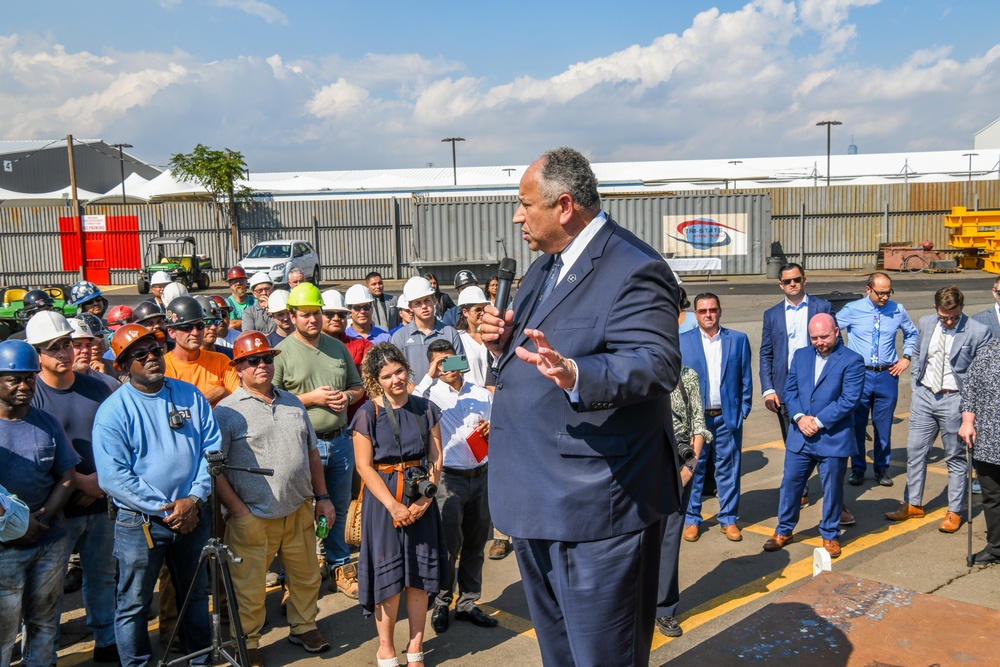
point(394, 425)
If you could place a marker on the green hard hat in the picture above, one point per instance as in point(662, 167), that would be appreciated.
point(305, 294)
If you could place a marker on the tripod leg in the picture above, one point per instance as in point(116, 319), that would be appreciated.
point(207, 555)
point(234, 613)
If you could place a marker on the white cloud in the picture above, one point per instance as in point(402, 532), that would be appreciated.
point(256, 8)
point(337, 99)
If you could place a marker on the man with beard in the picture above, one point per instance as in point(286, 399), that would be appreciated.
point(150, 439)
point(239, 300)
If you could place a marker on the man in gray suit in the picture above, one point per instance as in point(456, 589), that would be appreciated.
point(991, 316)
point(384, 311)
point(947, 342)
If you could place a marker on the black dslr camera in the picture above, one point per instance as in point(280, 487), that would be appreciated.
point(417, 483)
point(684, 448)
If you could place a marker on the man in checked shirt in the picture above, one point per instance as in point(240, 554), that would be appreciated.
point(462, 496)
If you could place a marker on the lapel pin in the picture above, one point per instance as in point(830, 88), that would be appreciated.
point(571, 278)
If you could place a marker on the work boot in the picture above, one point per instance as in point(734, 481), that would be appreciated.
point(324, 568)
point(345, 580)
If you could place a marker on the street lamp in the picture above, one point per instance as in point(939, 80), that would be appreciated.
point(454, 168)
point(121, 162)
point(828, 123)
point(970, 156)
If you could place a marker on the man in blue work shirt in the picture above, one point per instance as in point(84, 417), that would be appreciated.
point(871, 324)
point(150, 439)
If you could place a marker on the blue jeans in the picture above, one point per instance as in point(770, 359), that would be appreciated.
point(31, 581)
point(337, 456)
point(138, 569)
point(93, 535)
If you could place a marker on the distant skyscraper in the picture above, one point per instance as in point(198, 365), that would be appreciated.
point(852, 148)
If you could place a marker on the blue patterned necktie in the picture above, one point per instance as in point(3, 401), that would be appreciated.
point(551, 280)
point(875, 337)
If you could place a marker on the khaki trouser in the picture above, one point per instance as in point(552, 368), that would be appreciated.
point(257, 541)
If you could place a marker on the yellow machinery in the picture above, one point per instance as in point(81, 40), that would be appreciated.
point(975, 231)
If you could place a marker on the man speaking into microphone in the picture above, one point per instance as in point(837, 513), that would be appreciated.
point(582, 458)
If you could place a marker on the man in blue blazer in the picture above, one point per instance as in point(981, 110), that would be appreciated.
point(991, 316)
point(947, 342)
point(721, 358)
point(583, 465)
point(822, 391)
point(786, 329)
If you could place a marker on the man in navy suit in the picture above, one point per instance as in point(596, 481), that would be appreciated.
point(583, 465)
point(721, 358)
point(786, 330)
point(822, 391)
point(991, 316)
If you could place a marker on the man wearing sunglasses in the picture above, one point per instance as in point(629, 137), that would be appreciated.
point(209, 371)
point(947, 342)
point(262, 426)
point(150, 439)
point(871, 324)
point(361, 302)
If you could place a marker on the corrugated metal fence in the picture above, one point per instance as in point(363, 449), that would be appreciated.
point(844, 225)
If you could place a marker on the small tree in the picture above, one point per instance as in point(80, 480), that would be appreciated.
point(218, 172)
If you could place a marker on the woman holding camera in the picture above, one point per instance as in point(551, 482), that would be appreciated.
point(397, 450)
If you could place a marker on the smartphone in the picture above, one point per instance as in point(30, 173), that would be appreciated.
point(456, 362)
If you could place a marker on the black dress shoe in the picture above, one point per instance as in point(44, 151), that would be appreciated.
point(439, 619)
point(476, 616)
point(669, 626)
point(883, 479)
point(984, 557)
point(856, 478)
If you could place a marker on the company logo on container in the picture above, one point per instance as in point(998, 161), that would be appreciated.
point(705, 233)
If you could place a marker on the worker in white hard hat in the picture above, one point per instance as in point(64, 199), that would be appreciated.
point(405, 314)
point(157, 282)
point(83, 346)
point(171, 292)
point(335, 324)
point(425, 328)
point(256, 316)
point(277, 310)
point(360, 301)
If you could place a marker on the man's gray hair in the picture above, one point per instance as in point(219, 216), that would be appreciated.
point(298, 271)
point(567, 171)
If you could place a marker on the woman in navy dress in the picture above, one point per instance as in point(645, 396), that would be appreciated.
point(402, 541)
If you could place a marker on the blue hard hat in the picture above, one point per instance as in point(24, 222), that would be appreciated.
point(18, 357)
point(82, 292)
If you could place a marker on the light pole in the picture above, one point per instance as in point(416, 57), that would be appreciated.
point(734, 163)
point(970, 156)
point(828, 123)
point(121, 162)
point(454, 168)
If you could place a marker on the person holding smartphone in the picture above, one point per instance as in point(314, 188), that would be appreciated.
point(462, 492)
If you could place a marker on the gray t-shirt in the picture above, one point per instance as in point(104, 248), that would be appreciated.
point(413, 343)
point(258, 435)
point(256, 319)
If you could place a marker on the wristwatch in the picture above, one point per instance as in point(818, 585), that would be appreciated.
point(198, 502)
point(906, 356)
point(322, 496)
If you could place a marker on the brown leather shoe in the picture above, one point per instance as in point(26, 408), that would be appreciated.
point(804, 502)
point(832, 547)
point(777, 542)
point(952, 522)
point(733, 533)
point(691, 533)
point(846, 518)
point(906, 511)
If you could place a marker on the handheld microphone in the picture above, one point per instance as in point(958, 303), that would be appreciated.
point(505, 276)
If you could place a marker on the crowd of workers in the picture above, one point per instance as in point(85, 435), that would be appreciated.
point(106, 417)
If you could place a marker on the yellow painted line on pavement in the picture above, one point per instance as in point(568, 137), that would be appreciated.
point(794, 572)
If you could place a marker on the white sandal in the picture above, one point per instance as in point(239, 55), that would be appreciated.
point(387, 662)
point(414, 657)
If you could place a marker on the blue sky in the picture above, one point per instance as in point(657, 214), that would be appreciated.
point(344, 85)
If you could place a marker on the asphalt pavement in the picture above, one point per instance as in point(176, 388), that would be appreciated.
point(722, 582)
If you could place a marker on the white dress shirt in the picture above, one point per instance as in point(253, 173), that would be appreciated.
point(712, 346)
point(797, 326)
point(461, 412)
point(933, 369)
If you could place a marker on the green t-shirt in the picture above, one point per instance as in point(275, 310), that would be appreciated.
point(238, 307)
point(301, 368)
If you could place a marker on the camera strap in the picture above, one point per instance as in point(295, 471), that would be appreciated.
point(390, 414)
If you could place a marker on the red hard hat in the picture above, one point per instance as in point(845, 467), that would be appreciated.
point(127, 334)
point(221, 303)
point(118, 316)
point(251, 343)
point(236, 273)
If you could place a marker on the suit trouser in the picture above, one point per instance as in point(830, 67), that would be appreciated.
point(989, 479)
point(726, 451)
point(668, 593)
point(465, 518)
point(257, 541)
point(592, 603)
point(930, 413)
point(878, 400)
point(783, 422)
point(798, 467)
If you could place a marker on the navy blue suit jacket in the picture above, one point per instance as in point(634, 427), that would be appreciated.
point(831, 400)
point(774, 344)
point(737, 375)
point(607, 465)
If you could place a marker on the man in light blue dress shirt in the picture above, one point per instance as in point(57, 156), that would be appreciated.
point(871, 324)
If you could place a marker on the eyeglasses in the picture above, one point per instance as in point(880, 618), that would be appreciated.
point(882, 295)
point(477, 309)
point(949, 318)
point(360, 307)
point(186, 328)
point(330, 314)
point(212, 323)
point(256, 359)
point(707, 311)
point(789, 281)
point(142, 355)
point(262, 290)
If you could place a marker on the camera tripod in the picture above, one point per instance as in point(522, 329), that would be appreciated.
point(217, 555)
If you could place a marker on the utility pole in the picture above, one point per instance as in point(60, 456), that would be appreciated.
point(828, 124)
point(121, 162)
point(454, 168)
point(77, 218)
